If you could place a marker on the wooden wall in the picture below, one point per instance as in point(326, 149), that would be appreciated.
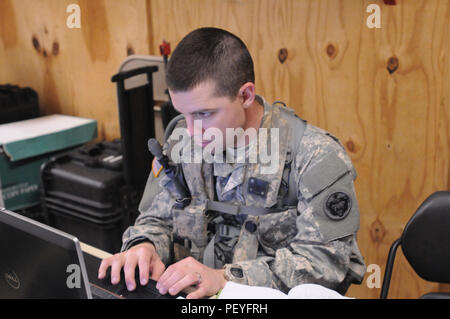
point(395, 126)
point(71, 68)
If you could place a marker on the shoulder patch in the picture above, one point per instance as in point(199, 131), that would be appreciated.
point(337, 205)
point(336, 209)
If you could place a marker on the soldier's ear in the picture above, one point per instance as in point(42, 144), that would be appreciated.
point(247, 94)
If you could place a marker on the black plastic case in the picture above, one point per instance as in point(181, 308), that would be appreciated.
point(85, 194)
point(17, 104)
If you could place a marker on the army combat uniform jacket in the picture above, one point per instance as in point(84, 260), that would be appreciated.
point(311, 239)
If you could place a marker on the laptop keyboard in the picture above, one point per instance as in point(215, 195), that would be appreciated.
point(103, 289)
point(121, 292)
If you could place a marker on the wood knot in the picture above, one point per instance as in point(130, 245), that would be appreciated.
point(55, 48)
point(351, 146)
point(130, 50)
point(36, 44)
point(377, 231)
point(283, 55)
point(392, 64)
point(331, 51)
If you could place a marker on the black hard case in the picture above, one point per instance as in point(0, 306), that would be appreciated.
point(85, 194)
point(17, 104)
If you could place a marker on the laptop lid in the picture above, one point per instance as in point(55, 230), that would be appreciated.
point(38, 261)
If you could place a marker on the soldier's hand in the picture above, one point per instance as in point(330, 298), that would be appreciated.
point(188, 272)
point(143, 255)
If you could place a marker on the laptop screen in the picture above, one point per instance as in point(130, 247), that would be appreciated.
point(38, 261)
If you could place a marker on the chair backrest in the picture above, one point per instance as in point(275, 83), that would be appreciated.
point(425, 240)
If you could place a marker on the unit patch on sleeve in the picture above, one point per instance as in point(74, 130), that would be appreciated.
point(338, 205)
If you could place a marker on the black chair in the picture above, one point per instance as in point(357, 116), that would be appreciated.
point(425, 243)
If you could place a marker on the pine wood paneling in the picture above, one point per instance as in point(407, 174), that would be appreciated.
point(395, 126)
point(71, 68)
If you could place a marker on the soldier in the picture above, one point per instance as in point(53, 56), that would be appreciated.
point(292, 224)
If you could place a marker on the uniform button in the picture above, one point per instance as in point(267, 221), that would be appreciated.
point(250, 226)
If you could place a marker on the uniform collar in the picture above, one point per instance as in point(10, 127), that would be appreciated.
point(225, 169)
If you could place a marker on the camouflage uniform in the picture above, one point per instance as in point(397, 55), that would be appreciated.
point(311, 240)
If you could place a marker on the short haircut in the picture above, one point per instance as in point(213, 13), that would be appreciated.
point(210, 54)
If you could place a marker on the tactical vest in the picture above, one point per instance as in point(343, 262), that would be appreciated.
point(267, 190)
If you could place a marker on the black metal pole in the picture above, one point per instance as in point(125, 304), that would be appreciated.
point(389, 268)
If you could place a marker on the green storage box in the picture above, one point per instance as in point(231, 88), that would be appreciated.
point(26, 145)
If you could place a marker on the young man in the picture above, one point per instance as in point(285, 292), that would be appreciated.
point(279, 225)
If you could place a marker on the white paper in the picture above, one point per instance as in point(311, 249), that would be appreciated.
point(311, 291)
point(44, 125)
point(307, 291)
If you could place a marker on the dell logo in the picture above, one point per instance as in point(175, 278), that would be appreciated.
point(13, 280)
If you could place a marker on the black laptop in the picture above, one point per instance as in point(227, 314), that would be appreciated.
point(38, 261)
